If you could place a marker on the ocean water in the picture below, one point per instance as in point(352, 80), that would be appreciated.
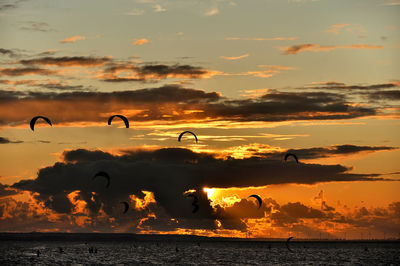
point(199, 253)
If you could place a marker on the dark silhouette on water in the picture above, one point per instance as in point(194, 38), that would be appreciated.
point(184, 132)
point(293, 155)
point(60, 249)
point(287, 243)
point(120, 116)
point(33, 121)
point(258, 199)
point(105, 175)
point(92, 250)
point(37, 253)
point(126, 205)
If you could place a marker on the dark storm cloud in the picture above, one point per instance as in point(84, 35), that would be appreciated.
point(5, 6)
point(391, 95)
point(373, 93)
point(246, 208)
point(151, 72)
point(36, 26)
point(324, 152)
point(342, 86)
point(168, 173)
point(346, 149)
point(296, 49)
point(66, 61)
point(10, 96)
point(49, 85)
point(174, 103)
point(62, 87)
point(169, 93)
point(44, 141)
point(293, 214)
point(82, 155)
point(165, 70)
point(20, 216)
point(7, 141)
point(152, 103)
point(4, 140)
point(119, 79)
point(7, 52)
point(47, 53)
point(9, 4)
point(381, 220)
point(299, 210)
point(285, 106)
point(164, 94)
point(112, 68)
point(6, 191)
point(26, 71)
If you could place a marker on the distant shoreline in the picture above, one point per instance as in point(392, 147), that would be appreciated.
point(55, 236)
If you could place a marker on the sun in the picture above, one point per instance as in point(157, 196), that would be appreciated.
point(210, 192)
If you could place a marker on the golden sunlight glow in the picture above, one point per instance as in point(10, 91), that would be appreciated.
point(79, 205)
point(210, 192)
point(189, 191)
point(141, 204)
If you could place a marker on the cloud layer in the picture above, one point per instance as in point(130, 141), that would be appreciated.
point(154, 183)
point(296, 49)
point(176, 103)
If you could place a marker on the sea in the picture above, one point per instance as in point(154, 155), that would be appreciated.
point(196, 252)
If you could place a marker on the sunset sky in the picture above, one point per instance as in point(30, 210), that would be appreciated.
point(253, 80)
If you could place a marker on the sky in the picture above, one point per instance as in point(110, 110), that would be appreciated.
point(254, 80)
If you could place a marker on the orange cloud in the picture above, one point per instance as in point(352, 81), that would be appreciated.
point(328, 83)
point(334, 29)
point(392, 3)
point(73, 39)
point(261, 39)
point(296, 49)
point(211, 12)
point(141, 204)
point(18, 82)
point(254, 93)
point(277, 67)
point(270, 71)
point(26, 71)
point(140, 41)
point(234, 57)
